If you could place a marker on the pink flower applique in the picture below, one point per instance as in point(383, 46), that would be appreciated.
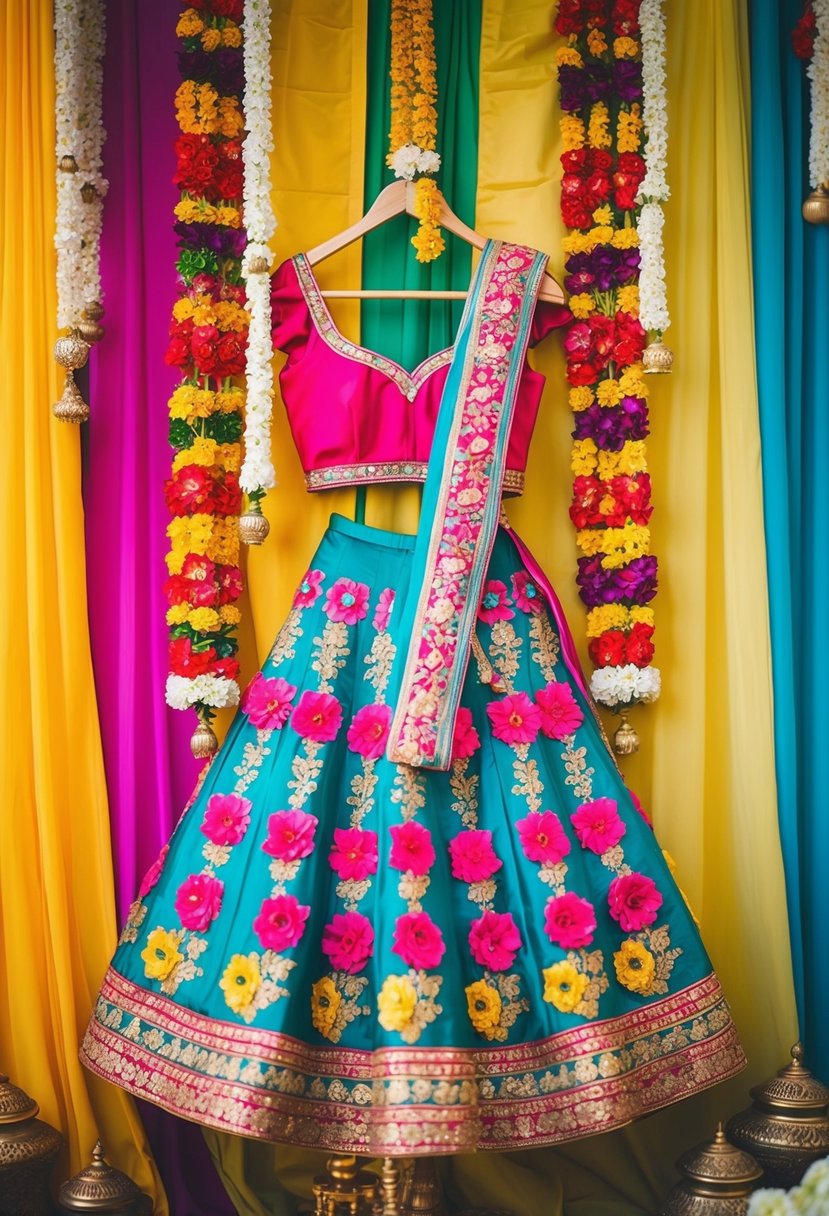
point(267, 702)
point(348, 941)
point(494, 603)
point(369, 731)
point(418, 940)
point(633, 900)
point(281, 922)
point(382, 613)
point(569, 921)
point(154, 873)
point(494, 940)
point(346, 601)
point(411, 848)
point(226, 818)
point(199, 900)
point(318, 716)
point(290, 835)
point(473, 857)
point(560, 715)
point(543, 839)
point(309, 589)
point(354, 854)
point(525, 593)
point(515, 719)
point(598, 825)
point(466, 740)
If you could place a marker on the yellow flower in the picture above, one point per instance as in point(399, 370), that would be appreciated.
point(231, 35)
point(625, 238)
point(643, 616)
point(229, 316)
point(596, 42)
point(564, 986)
point(635, 966)
point(483, 1004)
point(189, 24)
point(632, 382)
point(178, 614)
point(325, 1003)
point(161, 954)
point(625, 48)
point(580, 397)
point(602, 234)
point(241, 981)
point(608, 392)
point(210, 39)
point(205, 313)
point(627, 299)
point(396, 1001)
point(224, 542)
point(621, 545)
point(205, 620)
point(183, 308)
point(572, 132)
point(230, 401)
point(592, 540)
point(582, 305)
point(583, 457)
point(598, 133)
point(229, 217)
point(606, 616)
point(630, 460)
point(629, 129)
point(202, 451)
point(568, 56)
point(229, 614)
point(230, 121)
point(603, 215)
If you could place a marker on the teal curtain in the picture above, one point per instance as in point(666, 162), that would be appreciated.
point(791, 270)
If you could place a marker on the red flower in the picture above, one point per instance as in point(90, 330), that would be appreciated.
point(634, 901)
point(195, 585)
point(230, 355)
point(626, 180)
point(588, 492)
point(189, 490)
point(177, 353)
point(569, 19)
point(634, 493)
point(575, 160)
point(185, 661)
point(625, 17)
point(609, 649)
point(227, 496)
point(803, 34)
point(640, 648)
point(204, 347)
point(228, 668)
point(630, 339)
point(230, 583)
point(602, 336)
point(582, 373)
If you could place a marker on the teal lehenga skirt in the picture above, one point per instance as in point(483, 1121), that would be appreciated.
point(354, 955)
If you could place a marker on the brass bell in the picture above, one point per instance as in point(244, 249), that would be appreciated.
point(657, 358)
point(93, 311)
point(258, 265)
point(28, 1148)
point(71, 351)
point(203, 741)
point(68, 164)
point(815, 209)
point(71, 407)
point(91, 331)
point(101, 1188)
point(787, 1127)
point(88, 192)
point(253, 528)
point(719, 1178)
point(625, 739)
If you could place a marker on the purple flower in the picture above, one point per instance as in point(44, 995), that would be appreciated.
point(226, 242)
point(229, 73)
point(634, 412)
point(603, 268)
point(627, 79)
point(598, 80)
point(194, 65)
point(571, 82)
point(634, 583)
point(595, 587)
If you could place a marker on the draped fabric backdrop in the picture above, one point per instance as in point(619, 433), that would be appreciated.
point(791, 272)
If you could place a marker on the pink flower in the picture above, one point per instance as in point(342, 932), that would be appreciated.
point(473, 857)
point(354, 854)
point(290, 835)
point(382, 612)
point(543, 839)
point(418, 940)
point(346, 601)
point(494, 603)
point(318, 716)
point(514, 719)
point(465, 741)
point(153, 874)
point(598, 825)
point(633, 901)
point(525, 593)
point(560, 715)
point(569, 921)
point(226, 818)
point(494, 940)
point(309, 590)
point(198, 901)
point(281, 922)
point(267, 703)
point(369, 731)
point(411, 848)
point(348, 941)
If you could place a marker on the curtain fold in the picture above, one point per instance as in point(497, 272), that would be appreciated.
point(791, 270)
point(57, 923)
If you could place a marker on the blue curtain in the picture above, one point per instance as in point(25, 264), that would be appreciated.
point(791, 272)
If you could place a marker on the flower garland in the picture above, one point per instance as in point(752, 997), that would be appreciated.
point(600, 79)
point(810, 40)
point(257, 469)
point(653, 297)
point(208, 339)
point(413, 128)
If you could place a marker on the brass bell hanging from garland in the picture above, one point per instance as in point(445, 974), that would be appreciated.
point(89, 326)
point(71, 352)
point(203, 741)
point(253, 528)
point(657, 358)
point(815, 209)
point(625, 738)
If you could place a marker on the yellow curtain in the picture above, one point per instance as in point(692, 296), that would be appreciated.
point(57, 919)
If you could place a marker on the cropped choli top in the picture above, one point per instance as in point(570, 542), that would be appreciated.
point(359, 418)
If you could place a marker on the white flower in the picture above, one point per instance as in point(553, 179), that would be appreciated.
point(404, 161)
point(653, 296)
point(428, 162)
point(818, 73)
point(811, 1198)
point(626, 685)
point(654, 101)
point(770, 1202)
point(216, 691)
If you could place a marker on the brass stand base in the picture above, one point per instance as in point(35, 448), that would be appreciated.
point(344, 1187)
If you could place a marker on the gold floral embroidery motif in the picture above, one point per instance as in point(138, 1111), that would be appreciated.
point(306, 770)
point(412, 888)
point(528, 784)
point(352, 890)
point(579, 776)
point(505, 653)
point(483, 893)
point(335, 1001)
point(194, 948)
point(361, 798)
point(253, 755)
point(544, 646)
point(135, 919)
point(409, 790)
point(379, 661)
point(285, 645)
point(614, 859)
point(283, 872)
point(464, 785)
point(252, 982)
point(554, 876)
point(493, 1004)
point(331, 654)
point(407, 1003)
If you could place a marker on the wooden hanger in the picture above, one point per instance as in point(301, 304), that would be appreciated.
point(398, 199)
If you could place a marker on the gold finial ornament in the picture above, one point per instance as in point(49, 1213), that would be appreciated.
point(28, 1148)
point(718, 1180)
point(657, 358)
point(94, 310)
point(787, 1126)
point(253, 528)
point(101, 1188)
point(88, 193)
point(815, 209)
point(344, 1186)
point(625, 739)
point(71, 351)
point(71, 407)
point(203, 741)
point(68, 164)
point(259, 265)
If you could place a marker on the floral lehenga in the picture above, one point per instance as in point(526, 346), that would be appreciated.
point(412, 906)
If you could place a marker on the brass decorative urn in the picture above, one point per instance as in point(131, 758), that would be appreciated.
point(28, 1148)
point(787, 1127)
point(719, 1179)
point(101, 1188)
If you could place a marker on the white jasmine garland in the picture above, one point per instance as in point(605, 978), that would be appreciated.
point(626, 685)
point(653, 296)
point(218, 692)
point(257, 470)
point(79, 51)
point(810, 1198)
point(410, 159)
point(818, 73)
point(654, 101)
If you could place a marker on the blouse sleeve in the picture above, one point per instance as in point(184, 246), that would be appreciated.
point(548, 317)
point(290, 319)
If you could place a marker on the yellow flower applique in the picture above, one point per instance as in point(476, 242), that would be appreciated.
point(564, 986)
point(161, 953)
point(325, 1002)
point(396, 1002)
point(240, 981)
point(483, 1004)
point(635, 966)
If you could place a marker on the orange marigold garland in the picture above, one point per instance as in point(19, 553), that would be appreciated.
point(208, 337)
